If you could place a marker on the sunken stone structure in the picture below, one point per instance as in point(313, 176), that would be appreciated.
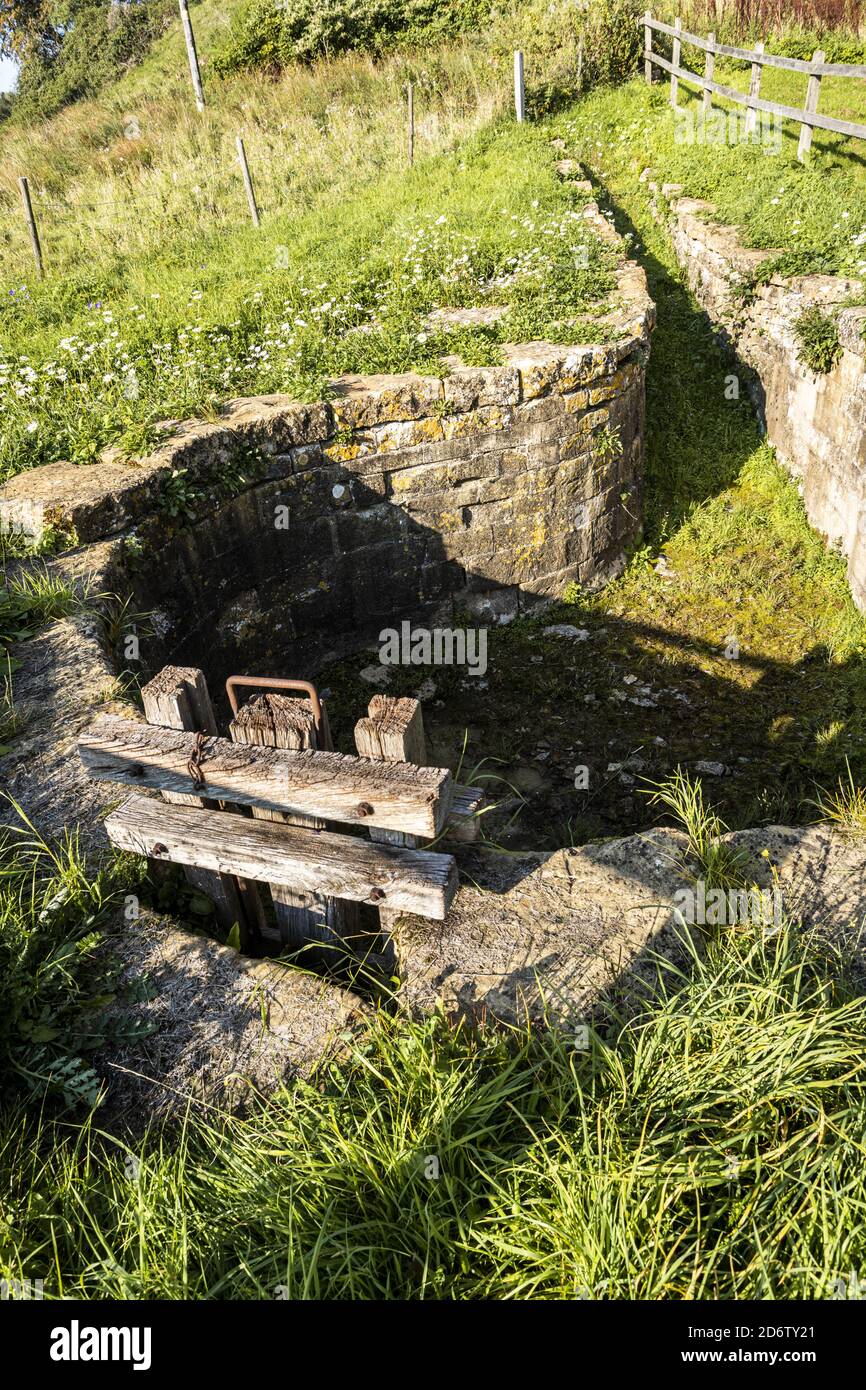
point(285, 534)
point(816, 421)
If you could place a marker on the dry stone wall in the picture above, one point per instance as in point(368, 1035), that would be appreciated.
point(815, 421)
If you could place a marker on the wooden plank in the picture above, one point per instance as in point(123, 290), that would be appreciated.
point(677, 53)
point(648, 47)
point(813, 92)
point(793, 113)
point(334, 786)
point(178, 698)
point(280, 721)
point(342, 866)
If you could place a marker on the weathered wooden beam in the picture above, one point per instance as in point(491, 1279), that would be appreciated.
point(464, 821)
point(792, 113)
point(341, 866)
point(393, 732)
point(813, 92)
point(394, 726)
point(178, 698)
point(334, 786)
point(279, 721)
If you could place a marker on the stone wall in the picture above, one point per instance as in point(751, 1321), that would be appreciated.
point(280, 535)
point(815, 421)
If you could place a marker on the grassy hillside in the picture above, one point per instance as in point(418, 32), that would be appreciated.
point(707, 1146)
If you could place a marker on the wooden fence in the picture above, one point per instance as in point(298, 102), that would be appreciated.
point(814, 69)
point(279, 764)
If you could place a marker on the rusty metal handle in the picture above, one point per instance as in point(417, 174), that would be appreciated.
point(276, 683)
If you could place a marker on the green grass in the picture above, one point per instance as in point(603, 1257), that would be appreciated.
point(709, 1147)
point(55, 977)
point(741, 562)
point(817, 210)
point(341, 289)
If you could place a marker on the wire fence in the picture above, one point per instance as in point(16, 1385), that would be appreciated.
point(211, 183)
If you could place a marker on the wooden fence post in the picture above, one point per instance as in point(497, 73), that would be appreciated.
point(519, 88)
point(647, 47)
point(675, 59)
point(277, 721)
point(812, 93)
point(178, 699)
point(709, 69)
point(32, 229)
point(191, 54)
point(248, 183)
point(754, 92)
point(410, 102)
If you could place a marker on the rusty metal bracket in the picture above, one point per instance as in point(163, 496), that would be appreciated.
point(277, 683)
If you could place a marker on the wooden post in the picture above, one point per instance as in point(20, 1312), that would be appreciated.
point(709, 70)
point(519, 89)
point(411, 114)
point(277, 721)
point(178, 699)
point(647, 47)
point(194, 70)
point(248, 183)
point(675, 59)
point(24, 185)
point(812, 93)
point(754, 92)
point(393, 732)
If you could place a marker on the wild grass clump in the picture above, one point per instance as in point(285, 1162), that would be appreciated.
point(721, 863)
point(845, 805)
point(55, 981)
point(818, 340)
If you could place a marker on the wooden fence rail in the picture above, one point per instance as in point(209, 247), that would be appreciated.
point(808, 116)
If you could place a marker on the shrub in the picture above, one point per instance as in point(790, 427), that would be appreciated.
point(273, 33)
point(95, 48)
point(819, 342)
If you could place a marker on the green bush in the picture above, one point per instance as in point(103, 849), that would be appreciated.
point(95, 48)
point(273, 33)
point(819, 342)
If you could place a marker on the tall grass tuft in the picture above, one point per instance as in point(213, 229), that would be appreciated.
point(720, 862)
point(845, 805)
point(709, 1148)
